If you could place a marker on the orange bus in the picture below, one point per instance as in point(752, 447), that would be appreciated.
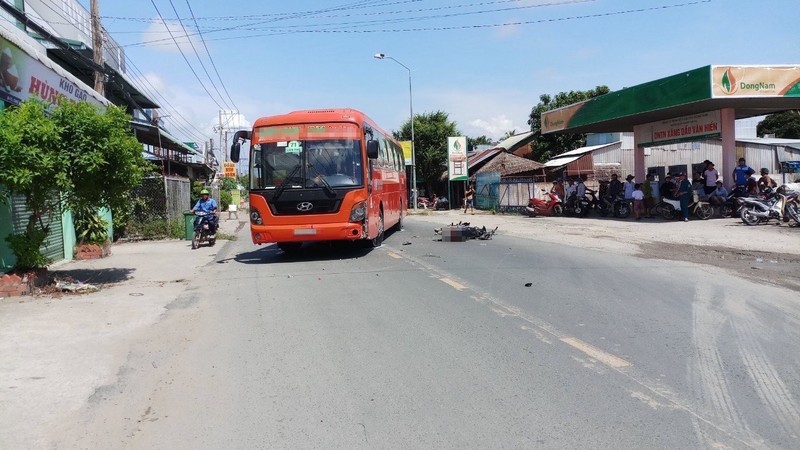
point(322, 175)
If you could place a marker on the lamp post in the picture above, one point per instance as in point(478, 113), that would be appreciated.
point(414, 194)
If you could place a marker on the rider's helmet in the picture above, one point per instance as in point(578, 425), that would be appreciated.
point(764, 171)
point(204, 192)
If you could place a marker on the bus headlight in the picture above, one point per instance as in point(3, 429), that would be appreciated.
point(255, 217)
point(358, 212)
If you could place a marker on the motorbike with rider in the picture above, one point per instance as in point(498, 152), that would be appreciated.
point(206, 221)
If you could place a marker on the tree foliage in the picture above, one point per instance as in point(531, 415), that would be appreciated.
point(431, 131)
point(69, 154)
point(480, 140)
point(784, 125)
point(548, 145)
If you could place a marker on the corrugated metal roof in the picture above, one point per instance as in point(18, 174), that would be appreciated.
point(771, 141)
point(515, 141)
point(479, 157)
point(572, 155)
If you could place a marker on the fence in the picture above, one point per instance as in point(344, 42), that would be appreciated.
point(162, 198)
point(506, 194)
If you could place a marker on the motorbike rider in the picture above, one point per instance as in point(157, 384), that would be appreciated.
point(558, 189)
point(719, 195)
point(668, 187)
point(207, 205)
point(765, 181)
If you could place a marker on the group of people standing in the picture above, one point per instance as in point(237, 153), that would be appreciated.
point(706, 183)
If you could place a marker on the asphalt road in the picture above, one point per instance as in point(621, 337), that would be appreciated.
point(442, 345)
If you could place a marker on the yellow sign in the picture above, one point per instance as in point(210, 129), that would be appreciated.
point(229, 170)
point(407, 152)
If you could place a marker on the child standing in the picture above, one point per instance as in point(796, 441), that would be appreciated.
point(469, 199)
point(638, 201)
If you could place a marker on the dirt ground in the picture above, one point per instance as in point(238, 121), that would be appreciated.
point(768, 253)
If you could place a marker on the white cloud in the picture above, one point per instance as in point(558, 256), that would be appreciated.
point(489, 113)
point(157, 36)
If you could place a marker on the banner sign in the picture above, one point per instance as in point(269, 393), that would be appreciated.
point(23, 76)
point(558, 119)
point(457, 169)
point(229, 170)
point(407, 153)
point(755, 81)
point(680, 129)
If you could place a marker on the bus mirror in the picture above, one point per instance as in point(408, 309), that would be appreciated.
point(372, 149)
point(236, 147)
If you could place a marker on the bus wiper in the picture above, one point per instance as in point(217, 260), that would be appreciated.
point(325, 185)
point(283, 185)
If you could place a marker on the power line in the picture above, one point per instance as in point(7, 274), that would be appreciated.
point(210, 58)
point(200, 60)
point(410, 11)
point(142, 86)
point(295, 16)
point(460, 27)
point(184, 56)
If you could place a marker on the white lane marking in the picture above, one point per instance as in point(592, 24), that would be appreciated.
point(452, 283)
point(600, 355)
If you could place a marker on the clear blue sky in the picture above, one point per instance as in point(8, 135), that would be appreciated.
point(319, 54)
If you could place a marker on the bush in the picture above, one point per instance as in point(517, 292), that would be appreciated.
point(26, 248)
point(89, 227)
point(225, 199)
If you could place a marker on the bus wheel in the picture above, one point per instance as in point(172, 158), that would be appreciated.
point(377, 241)
point(290, 247)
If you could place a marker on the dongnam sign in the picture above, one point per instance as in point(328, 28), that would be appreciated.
point(457, 169)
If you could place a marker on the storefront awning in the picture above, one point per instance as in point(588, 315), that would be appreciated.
point(152, 135)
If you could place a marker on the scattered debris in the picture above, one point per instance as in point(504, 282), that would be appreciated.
point(407, 243)
point(528, 284)
point(76, 286)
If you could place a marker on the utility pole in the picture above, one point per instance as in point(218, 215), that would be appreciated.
point(222, 150)
point(97, 47)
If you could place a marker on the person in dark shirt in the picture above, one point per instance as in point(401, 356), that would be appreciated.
point(614, 187)
point(668, 188)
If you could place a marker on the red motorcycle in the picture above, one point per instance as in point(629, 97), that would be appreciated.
point(426, 203)
point(553, 206)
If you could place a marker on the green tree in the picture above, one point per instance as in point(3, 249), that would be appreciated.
point(431, 131)
point(480, 140)
point(548, 145)
point(784, 125)
point(70, 155)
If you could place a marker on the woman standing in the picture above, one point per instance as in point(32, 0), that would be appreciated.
point(684, 194)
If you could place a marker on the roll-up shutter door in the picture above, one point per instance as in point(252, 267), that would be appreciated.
point(53, 246)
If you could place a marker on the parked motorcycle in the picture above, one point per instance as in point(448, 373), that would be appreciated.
point(575, 206)
point(759, 210)
point(670, 208)
point(619, 206)
point(550, 207)
point(425, 202)
point(205, 228)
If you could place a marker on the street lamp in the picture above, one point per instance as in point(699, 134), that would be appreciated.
point(411, 107)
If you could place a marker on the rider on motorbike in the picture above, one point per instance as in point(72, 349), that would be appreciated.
point(207, 205)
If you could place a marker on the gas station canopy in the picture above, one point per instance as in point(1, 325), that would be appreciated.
point(748, 90)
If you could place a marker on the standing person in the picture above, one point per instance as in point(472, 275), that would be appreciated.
point(741, 173)
point(614, 187)
point(469, 197)
point(668, 187)
point(684, 194)
point(650, 189)
point(711, 175)
point(629, 186)
point(638, 201)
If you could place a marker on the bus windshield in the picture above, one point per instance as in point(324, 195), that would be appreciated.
point(307, 164)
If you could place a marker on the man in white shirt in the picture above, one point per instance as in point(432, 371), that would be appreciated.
point(711, 176)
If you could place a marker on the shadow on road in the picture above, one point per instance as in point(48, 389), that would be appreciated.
point(310, 251)
point(94, 276)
